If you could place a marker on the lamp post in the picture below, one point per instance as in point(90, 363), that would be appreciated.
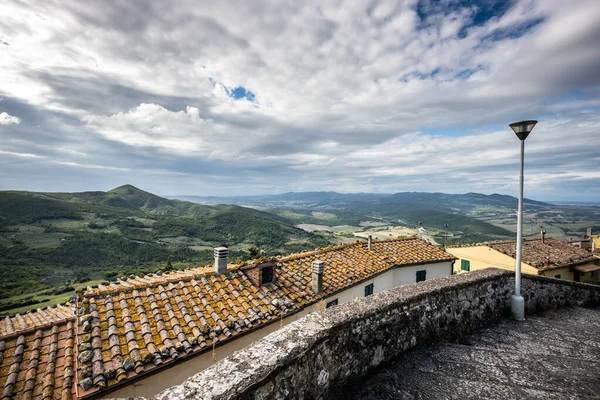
point(517, 303)
point(445, 234)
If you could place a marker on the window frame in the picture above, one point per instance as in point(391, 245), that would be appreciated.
point(331, 303)
point(423, 274)
point(369, 289)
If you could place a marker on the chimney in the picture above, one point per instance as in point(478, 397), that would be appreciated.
point(543, 236)
point(221, 254)
point(589, 233)
point(318, 267)
point(369, 242)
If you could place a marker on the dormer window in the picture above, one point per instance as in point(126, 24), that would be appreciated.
point(266, 274)
point(262, 274)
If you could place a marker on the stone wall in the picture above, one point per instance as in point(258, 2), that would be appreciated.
point(318, 355)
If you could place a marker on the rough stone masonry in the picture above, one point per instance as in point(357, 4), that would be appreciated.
point(319, 355)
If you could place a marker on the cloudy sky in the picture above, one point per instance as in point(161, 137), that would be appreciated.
point(250, 97)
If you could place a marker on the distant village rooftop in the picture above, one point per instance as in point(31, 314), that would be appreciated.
point(542, 253)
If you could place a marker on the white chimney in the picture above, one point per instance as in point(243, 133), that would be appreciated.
point(369, 242)
point(318, 267)
point(221, 254)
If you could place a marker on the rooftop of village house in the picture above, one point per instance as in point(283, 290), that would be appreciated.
point(142, 323)
point(543, 254)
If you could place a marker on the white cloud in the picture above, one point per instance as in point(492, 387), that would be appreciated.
point(153, 125)
point(360, 92)
point(7, 119)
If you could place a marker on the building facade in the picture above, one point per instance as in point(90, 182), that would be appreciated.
point(545, 256)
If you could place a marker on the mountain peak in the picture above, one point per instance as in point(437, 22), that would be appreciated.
point(127, 188)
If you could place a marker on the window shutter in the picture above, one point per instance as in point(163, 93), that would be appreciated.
point(465, 265)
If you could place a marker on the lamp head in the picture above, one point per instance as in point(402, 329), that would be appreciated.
point(523, 128)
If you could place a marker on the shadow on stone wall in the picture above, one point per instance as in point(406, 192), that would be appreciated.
point(317, 356)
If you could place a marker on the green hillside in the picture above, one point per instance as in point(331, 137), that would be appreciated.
point(49, 240)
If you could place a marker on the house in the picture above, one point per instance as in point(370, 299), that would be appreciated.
point(587, 241)
point(544, 256)
point(142, 334)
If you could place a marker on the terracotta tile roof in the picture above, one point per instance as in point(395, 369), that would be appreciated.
point(346, 265)
point(38, 363)
point(126, 330)
point(144, 323)
point(550, 254)
point(35, 319)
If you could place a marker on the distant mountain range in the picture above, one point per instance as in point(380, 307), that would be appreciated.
point(436, 210)
point(437, 201)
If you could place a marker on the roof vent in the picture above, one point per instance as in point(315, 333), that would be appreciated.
point(221, 254)
point(318, 268)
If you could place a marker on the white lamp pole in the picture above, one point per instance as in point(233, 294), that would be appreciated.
point(517, 303)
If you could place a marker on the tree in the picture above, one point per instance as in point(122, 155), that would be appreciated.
point(169, 266)
point(254, 252)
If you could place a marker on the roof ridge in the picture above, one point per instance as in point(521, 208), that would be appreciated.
point(499, 241)
point(182, 275)
point(335, 247)
point(205, 271)
point(34, 310)
point(119, 285)
point(25, 331)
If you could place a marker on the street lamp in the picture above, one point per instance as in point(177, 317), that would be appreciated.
point(517, 303)
point(445, 234)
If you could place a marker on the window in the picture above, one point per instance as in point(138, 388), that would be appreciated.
point(421, 275)
point(266, 275)
point(465, 265)
point(368, 290)
point(332, 303)
point(557, 276)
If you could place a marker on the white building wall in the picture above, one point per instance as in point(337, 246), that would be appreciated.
point(392, 278)
point(154, 384)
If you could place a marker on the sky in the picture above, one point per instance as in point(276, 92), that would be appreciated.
point(252, 97)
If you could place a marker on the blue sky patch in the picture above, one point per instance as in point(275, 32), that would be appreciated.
point(241, 92)
point(236, 93)
point(513, 32)
point(482, 10)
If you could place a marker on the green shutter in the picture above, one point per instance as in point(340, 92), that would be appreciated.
point(465, 265)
